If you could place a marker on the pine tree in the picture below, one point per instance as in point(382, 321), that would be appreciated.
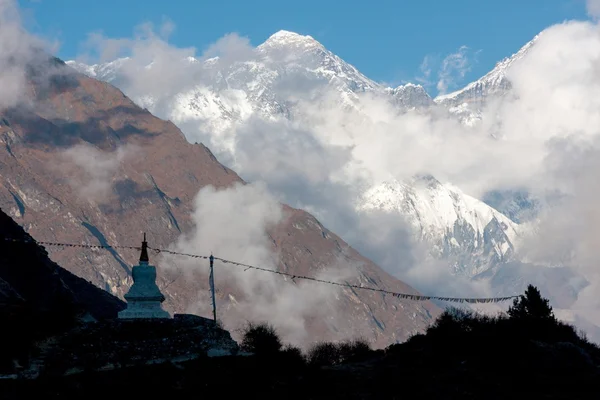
point(531, 305)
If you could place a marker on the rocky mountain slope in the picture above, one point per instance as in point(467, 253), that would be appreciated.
point(81, 163)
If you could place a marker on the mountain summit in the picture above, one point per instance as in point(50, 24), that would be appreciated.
point(285, 38)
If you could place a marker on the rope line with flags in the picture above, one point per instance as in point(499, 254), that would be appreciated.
point(399, 295)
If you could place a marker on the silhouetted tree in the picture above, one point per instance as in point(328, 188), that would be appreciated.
point(531, 305)
point(261, 339)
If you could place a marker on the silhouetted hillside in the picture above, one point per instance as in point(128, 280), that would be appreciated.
point(39, 298)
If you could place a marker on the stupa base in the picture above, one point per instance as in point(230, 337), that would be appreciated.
point(138, 310)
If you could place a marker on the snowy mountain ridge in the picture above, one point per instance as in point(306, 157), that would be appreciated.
point(104, 71)
point(452, 222)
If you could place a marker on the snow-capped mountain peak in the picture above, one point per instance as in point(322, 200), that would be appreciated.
point(289, 46)
point(104, 71)
point(287, 38)
point(450, 220)
point(291, 54)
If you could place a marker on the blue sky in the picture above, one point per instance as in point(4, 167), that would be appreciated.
point(387, 40)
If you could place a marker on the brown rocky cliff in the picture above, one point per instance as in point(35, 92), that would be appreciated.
point(152, 191)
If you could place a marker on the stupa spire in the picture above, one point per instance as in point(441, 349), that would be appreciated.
point(144, 255)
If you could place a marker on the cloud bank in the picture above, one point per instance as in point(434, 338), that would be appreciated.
point(541, 137)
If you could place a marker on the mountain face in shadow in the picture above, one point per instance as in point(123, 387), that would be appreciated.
point(38, 298)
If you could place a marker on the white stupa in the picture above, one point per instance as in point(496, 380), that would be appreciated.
point(144, 297)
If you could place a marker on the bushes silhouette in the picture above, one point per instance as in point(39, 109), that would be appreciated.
point(329, 354)
point(529, 320)
point(292, 351)
point(323, 354)
point(261, 339)
point(292, 357)
point(355, 351)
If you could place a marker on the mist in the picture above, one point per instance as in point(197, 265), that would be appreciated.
point(540, 137)
point(233, 223)
point(92, 171)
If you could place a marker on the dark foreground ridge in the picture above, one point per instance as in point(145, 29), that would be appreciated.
point(38, 298)
point(461, 356)
point(60, 339)
point(118, 344)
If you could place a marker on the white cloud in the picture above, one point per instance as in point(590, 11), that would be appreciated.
point(229, 49)
point(18, 49)
point(233, 223)
point(425, 70)
point(568, 232)
point(449, 71)
point(593, 8)
point(453, 69)
point(324, 157)
point(155, 69)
